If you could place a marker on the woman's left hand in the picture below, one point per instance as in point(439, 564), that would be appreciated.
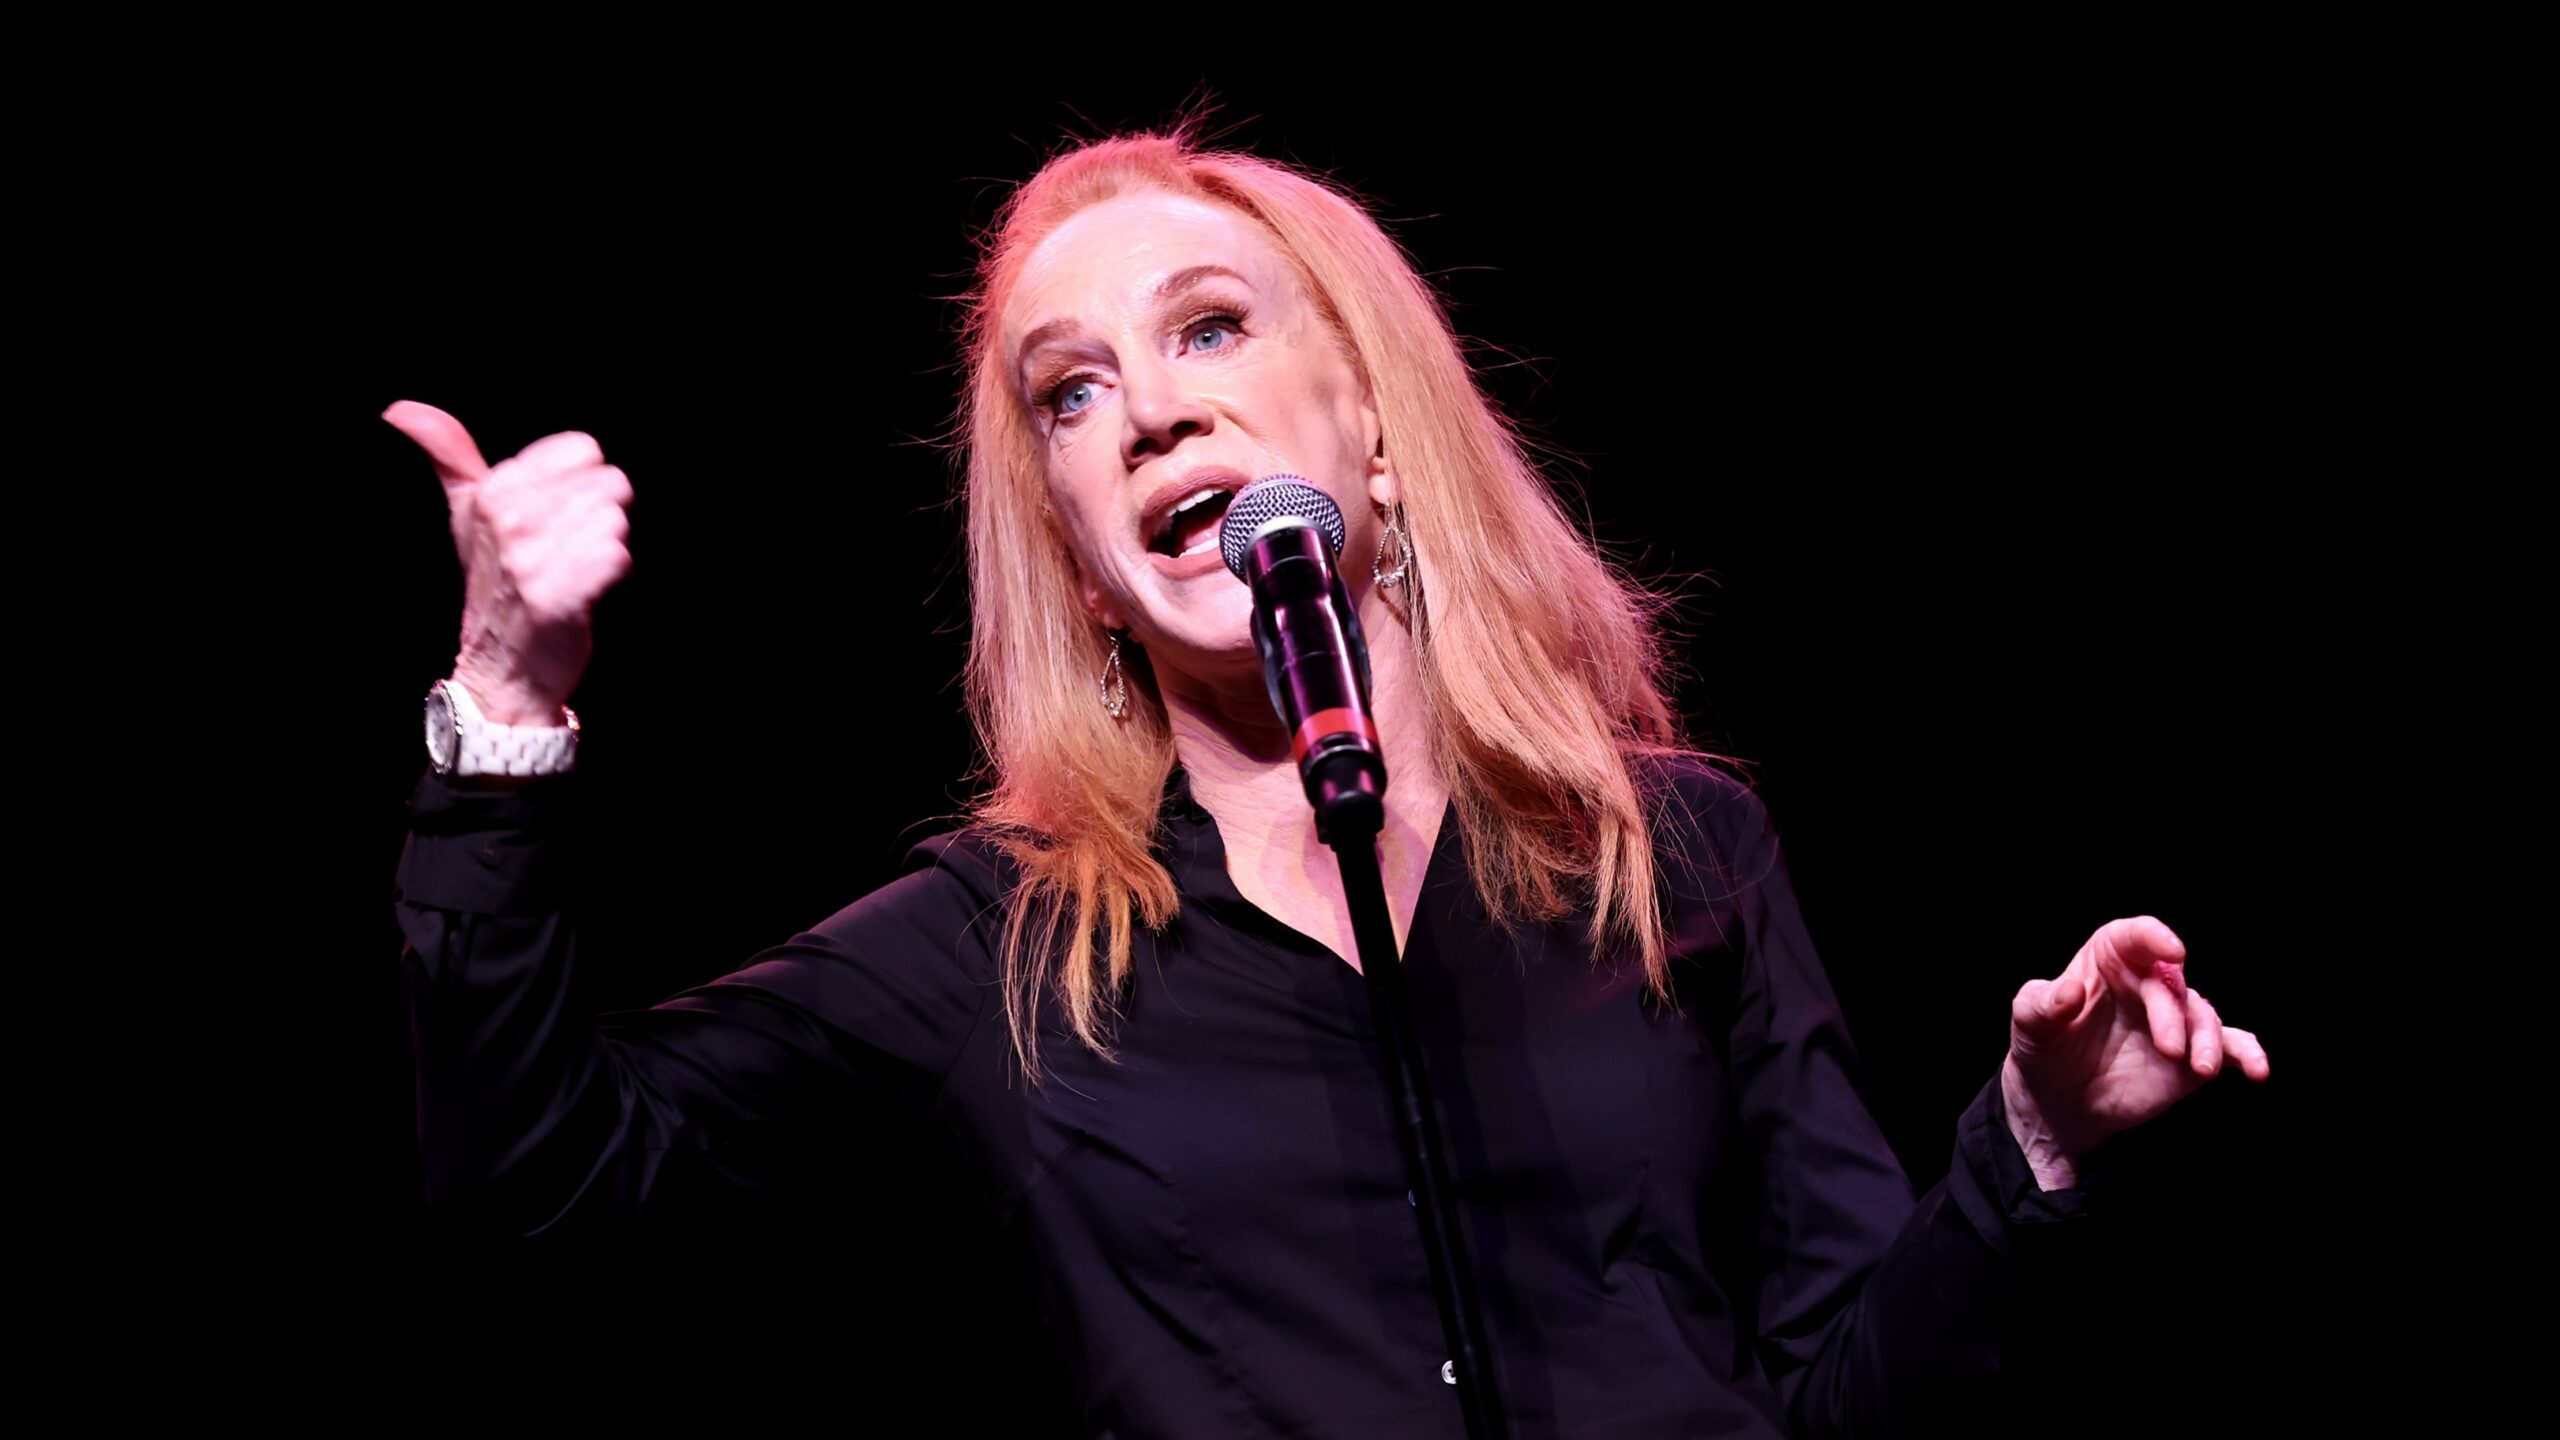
point(2113, 1041)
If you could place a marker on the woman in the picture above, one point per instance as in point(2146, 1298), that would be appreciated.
point(1130, 988)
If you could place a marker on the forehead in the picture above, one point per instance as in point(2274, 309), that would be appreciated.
point(1107, 259)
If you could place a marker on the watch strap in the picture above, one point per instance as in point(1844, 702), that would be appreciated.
point(482, 747)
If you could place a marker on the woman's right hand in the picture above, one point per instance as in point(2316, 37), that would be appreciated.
point(541, 539)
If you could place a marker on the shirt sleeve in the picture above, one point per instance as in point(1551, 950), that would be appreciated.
point(537, 1116)
point(1876, 1315)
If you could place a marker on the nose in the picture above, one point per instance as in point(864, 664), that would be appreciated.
point(1159, 409)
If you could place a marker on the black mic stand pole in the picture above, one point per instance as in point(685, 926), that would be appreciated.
point(1351, 828)
point(1317, 666)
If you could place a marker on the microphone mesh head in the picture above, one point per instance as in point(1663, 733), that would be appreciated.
point(1266, 500)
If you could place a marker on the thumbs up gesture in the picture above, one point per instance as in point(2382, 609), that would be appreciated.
point(540, 537)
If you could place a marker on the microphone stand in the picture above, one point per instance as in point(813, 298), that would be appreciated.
point(1317, 667)
point(1351, 829)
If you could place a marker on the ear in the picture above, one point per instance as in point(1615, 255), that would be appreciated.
point(1096, 602)
point(1383, 490)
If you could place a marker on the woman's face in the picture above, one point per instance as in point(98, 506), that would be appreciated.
point(1168, 357)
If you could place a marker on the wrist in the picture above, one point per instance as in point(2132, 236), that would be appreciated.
point(464, 743)
point(504, 700)
point(2054, 1166)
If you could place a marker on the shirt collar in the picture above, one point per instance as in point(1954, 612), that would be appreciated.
point(1188, 842)
point(1178, 802)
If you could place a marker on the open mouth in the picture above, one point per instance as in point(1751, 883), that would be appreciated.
point(1192, 526)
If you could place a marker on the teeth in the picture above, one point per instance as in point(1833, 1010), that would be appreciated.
point(1173, 518)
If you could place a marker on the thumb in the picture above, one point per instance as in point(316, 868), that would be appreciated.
point(456, 456)
point(2043, 1005)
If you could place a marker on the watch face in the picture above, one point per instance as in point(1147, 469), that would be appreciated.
point(441, 738)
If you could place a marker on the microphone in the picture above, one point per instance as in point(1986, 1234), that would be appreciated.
point(1280, 537)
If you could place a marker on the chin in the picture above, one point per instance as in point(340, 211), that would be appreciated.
point(1209, 641)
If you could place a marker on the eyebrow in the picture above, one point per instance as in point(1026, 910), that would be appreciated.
point(1171, 285)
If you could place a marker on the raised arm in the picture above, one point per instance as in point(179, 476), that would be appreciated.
point(535, 1115)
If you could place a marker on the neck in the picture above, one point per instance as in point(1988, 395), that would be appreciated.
point(1236, 752)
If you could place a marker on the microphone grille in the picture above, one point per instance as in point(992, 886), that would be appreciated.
point(1268, 499)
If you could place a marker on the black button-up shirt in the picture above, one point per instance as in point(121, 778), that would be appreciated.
point(1685, 1219)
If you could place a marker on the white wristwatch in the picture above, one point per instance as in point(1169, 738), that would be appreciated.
point(460, 741)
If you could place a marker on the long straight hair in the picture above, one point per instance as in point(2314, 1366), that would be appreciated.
point(1541, 664)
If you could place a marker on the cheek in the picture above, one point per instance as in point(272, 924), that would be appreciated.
point(1087, 527)
point(1077, 496)
point(1083, 531)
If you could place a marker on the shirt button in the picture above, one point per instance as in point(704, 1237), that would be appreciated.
point(1448, 1372)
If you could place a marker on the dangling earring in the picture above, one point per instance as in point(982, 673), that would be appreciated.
point(1395, 540)
point(1115, 684)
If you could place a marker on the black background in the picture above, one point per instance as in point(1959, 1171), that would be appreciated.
point(1964, 409)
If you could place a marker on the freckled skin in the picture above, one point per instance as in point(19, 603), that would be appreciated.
point(1163, 391)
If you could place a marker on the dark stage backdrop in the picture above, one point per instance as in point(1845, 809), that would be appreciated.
point(1955, 418)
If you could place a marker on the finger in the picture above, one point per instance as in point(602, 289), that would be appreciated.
point(568, 450)
point(2165, 1005)
point(550, 497)
point(579, 512)
point(2068, 996)
point(2204, 1036)
point(609, 523)
point(2148, 953)
point(455, 455)
point(606, 481)
point(2032, 1009)
point(570, 588)
point(550, 500)
point(2243, 1046)
point(563, 536)
point(568, 568)
point(2142, 944)
point(2042, 1005)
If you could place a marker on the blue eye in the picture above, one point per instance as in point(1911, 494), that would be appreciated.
point(1212, 336)
point(1074, 395)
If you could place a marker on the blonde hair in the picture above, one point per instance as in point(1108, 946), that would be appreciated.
point(1540, 664)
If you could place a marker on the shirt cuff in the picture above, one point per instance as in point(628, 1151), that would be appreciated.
point(489, 852)
point(1993, 1182)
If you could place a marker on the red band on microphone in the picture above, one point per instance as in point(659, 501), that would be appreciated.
point(1331, 722)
